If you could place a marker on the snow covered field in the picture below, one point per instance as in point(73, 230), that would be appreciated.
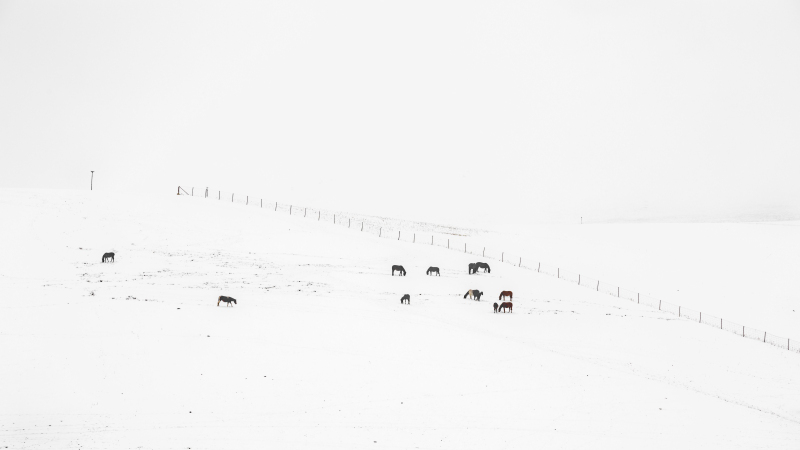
point(319, 352)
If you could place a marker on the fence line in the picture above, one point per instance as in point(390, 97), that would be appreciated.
point(378, 228)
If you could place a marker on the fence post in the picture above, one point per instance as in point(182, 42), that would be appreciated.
point(398, 235)
point(465, 247)
point(319, 215)
point(502, 256)
point(701, 317)
point(192, 192)
point(787, 344)
point(765, 336)
point(179, 190)
point(520, 265)
point(348, 223)
point(219, 195)
point(231, 198)
point(659, 305)
point(362, 226)
point(290, 210)
point(637, 297)
point(579, 278)
point(617, 291)
point(720, 323)
point(262, 202)
point(247, 202)
point(276, 206)
point(742, 330)
point(558, 273)
point(598, 283)
point(305, 212)
point(415, 238)
point(484, 252)
point(380, 231)
point(679, 310)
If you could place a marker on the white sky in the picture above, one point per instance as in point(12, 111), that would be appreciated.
point(463, 111)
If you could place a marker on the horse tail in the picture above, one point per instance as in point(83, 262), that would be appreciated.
point(465, 295)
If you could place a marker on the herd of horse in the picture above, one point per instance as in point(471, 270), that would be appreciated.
point(473, 294)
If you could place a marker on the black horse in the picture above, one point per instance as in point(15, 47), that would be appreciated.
point(473, 268)
point(433, 270)
point(405, 299)
point(495, 307)
point(399, 269)
point(484, 266)
point(227, 300)
point(108, 257)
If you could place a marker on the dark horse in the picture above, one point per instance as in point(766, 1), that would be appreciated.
point(405, 299)
point(508, 294)
point(495, 307)
point(108, 257)
point(227, 300)
point(505, 305)
point(433, 270)
point(473, 268)
point(474, 293)
point(484, 266)
point(399, 269)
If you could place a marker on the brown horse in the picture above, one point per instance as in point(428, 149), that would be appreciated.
point(508, 294)
point(505, 305)
point(405, 299)
point(495, 307)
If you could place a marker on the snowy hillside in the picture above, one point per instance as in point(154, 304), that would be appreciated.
point(319, 352)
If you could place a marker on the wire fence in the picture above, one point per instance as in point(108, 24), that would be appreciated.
point(451, 238)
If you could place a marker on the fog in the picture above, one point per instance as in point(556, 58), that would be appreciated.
point(477, 113)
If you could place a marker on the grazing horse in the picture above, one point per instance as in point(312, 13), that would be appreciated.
point(474, 293)
point(108, 257)
point(399, 269)
point(505, 305)
point(508, 294)
point(495, 307)
point(473, 268)
point(405, 299)
point(484, 266)
point(227, 300)
point(433, 270)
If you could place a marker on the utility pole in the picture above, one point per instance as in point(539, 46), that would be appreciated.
point(91, 183)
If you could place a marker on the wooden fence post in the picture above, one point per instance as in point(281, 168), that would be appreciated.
point(765, 336)
point(276, 206)
point(720, 323)
point(558, 273)
point(219, 195)
point(465, 247)
point(290, 210)
point(192, 192)
point(659, 305)
point(380, 231)
point(701, 317)
point(742, 330)
point(617, 291)
point(637, 297)
point(502, 256)
point(484, 252)
point(415, 238)
point(231, 198)
point(262, 202)
point(679, 310)
point(598, 285)
point(305, 212)
point(520, 265)
point(348, 222)
point(247, 202)
point(579, 278)
point(539, 269)
point(398, 235)
point(362, 226)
